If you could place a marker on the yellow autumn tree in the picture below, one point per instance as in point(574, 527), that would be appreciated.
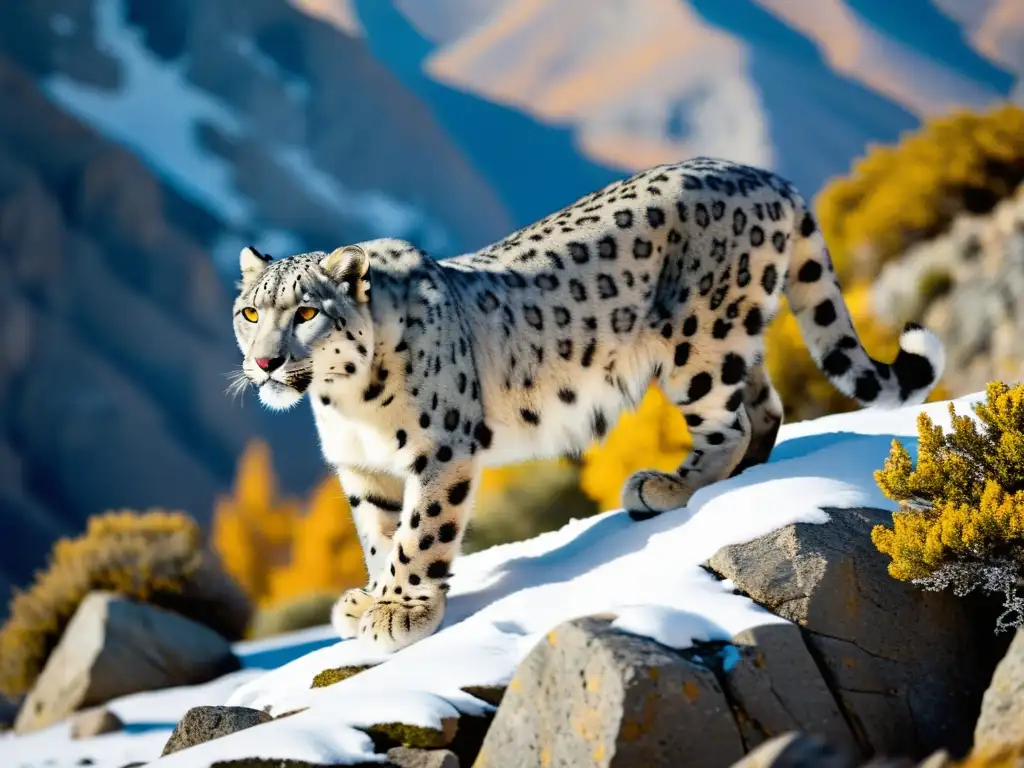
point(252, 528)
point(654, 436)
point(325, 550)
point(281, 549)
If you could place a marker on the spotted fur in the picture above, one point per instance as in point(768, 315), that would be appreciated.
point(421, 372)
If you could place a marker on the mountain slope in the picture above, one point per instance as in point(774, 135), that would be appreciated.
point(798, 85)
point(649, 576)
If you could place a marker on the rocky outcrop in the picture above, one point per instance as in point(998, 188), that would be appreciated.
point(113, 342)
point(968, 286)
point(202, 724)
point(1001, 723)
point(867, 668)
point(314, 136)
point(113, 647)
point(590, 695)
point(906, 667)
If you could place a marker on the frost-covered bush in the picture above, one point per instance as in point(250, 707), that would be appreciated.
point(961, 521)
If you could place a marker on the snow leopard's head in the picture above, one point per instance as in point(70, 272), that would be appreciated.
point(288, 309)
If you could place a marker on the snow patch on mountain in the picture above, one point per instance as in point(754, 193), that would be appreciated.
point(158, 113)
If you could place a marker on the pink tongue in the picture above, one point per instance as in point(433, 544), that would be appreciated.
point(263, 362)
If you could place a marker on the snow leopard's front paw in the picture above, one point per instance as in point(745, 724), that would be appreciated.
point(348, 610)
point(648, 493)
point(394, 622)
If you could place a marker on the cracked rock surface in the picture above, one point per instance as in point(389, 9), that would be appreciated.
point(114, 647)
point(906, 667)
point(775, 687)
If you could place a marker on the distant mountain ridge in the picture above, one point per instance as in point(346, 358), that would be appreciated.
point(797, 85)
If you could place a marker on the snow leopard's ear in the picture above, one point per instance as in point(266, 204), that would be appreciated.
point(252, 263)
point(348, 267)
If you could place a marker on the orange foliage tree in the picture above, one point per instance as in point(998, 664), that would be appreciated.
point(279, 548)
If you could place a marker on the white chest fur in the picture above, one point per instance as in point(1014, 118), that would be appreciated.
point(347, 442)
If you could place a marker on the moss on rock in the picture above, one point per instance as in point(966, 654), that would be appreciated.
point(423, 737)
point(336, 675)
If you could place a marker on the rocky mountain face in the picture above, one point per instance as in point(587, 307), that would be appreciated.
point(140, 145)
point(279, 126)
point(968, 285)
point(113, 340)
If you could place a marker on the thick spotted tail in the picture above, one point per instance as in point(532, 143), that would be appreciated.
point(825, 324)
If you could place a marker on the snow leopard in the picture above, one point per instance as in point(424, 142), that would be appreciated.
point(423, 371)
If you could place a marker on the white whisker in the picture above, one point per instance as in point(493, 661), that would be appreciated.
point(238, 383)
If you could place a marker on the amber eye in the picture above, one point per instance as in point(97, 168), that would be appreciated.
point(306, 313)
point(250, 314)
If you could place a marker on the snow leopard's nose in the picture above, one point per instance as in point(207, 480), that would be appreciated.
point(270, 364)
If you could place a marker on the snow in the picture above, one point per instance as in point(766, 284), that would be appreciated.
point(504, 599)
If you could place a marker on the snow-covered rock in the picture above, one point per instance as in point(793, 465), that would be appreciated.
point(893, 653)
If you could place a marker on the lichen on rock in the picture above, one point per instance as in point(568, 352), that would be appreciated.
point(336, 675)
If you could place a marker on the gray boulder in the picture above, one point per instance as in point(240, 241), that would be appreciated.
point(907, 667)
point(202, 724)
point(113, 647)
point(591, 695)
point(1001, 722)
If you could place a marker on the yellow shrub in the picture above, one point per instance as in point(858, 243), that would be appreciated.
point(281, 549)
point(519, 501)
point(897, 196)
point(150, 557)
point(963, 503)
point(654, 436)
point(325, 551)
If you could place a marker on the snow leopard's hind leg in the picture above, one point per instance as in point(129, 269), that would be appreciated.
point(764, 410)
point(719, 429)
